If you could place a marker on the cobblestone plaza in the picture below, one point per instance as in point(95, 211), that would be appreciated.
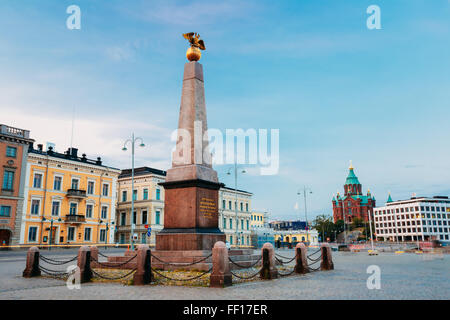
point(404, 276)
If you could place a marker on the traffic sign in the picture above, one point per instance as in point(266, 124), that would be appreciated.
point(146, 226)
point(149, 232)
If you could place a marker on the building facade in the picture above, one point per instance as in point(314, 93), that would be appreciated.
point(293, 231)
point(419, 218)
point(353, 204)
point(236, 227)
point(258, 219)
point(13, 160)
point(148, 205)
point(68, 200)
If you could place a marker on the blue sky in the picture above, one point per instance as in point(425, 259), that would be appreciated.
point(336, 90)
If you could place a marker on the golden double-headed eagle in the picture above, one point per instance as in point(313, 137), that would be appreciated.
point(194, 40)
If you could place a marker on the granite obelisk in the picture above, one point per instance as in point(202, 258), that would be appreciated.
point(191, 186)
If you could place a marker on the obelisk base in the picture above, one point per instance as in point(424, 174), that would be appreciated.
point(188, 239)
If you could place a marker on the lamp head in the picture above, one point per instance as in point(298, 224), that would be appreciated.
point(124, 149)
point(142, 145)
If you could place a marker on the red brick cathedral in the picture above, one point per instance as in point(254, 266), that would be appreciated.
point(354, 204)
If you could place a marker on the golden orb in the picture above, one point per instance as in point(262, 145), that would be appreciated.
point(193, 54)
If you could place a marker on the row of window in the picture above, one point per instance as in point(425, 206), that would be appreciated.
point(144, 217)
point(244, 240)
point(75, 184)
point(412, 216)
point(407, 223)
point(230, 221)
point(71, 234)
point(413, 230)
point(230, 205)
point(73, 208)
point(412, 209)
point(257, 218)
point(144, 195)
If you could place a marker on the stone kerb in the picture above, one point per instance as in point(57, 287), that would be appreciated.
point(327, 260)
point(268, 270)
point(221, 275)
point(32, 266)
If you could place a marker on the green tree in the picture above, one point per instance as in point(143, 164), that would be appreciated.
point(325, 227)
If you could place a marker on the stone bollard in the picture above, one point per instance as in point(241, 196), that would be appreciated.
point(301, 262)
point(220, 276)
point(327, 260)
point(268, 270)
point(143, 274)
point(32, 267)
point(94, 256)
point(84, 263)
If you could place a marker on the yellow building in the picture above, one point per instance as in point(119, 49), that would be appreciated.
point(258, 219)
point(67, 199)
point(294, 236)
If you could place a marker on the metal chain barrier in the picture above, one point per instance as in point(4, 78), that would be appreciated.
point(102, 255)
point(55, 273)
point(188, 279)
point(112, 264)
point(245, 267)
point(310, 255)
point(181, 264)
point(315, 260)
point(283, 262)
point(113, 278)
point(244, 277)
point(313, 269)
point(56, 262)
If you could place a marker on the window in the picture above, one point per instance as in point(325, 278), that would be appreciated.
point(242, 224)
point(57, 183)
point(247, 224)
point(134, 195)
point(87, 234)
point(55, 208)
point(242, 206)
point(105, 190)
point(124, 196)
point(89, 208)
point(73, 208)
point(134, 217)
point(145, 194)
point(224, 222)
point(70, 233)
point(246, 207)
point(8, 180)
point(90, 188)
point(123, 218)
point(224, 204)
point(103, 235)
point(231, 223)
point(229, 205)
point(158, 194)
point(231, 239)
point(104, 212)
point(75, 184)
point(5, 211)
point(32, 233)
point(157, 217)
point(35, 204)
point(144, 217)
point(11, 151)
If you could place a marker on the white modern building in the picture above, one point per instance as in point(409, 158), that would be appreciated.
point(419, 218)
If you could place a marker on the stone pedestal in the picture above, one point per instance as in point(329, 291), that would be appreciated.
point(32, 267)
point(220, 276)
point(327, 260)
point(268, 271)
point(301, 265)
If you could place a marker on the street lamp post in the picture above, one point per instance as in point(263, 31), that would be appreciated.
point(51, 231)
point(305, 190)
point(132, 141)
point(235, 193)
